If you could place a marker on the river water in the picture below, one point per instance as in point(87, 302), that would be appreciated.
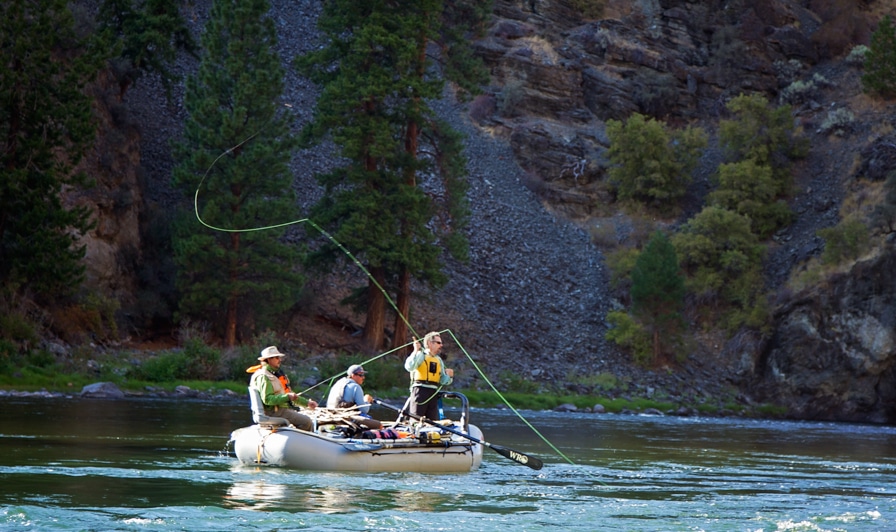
point(140, 464)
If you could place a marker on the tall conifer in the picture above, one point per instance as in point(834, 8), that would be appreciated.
point(658, 291)
point(880, 61)
point(400, 200)
point(46, 126)
point(237, 280)
point(150, 33)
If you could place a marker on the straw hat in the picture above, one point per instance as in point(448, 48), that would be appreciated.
point(270, 352)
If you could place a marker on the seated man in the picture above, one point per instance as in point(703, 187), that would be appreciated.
point(347, 392)
point(275, 397)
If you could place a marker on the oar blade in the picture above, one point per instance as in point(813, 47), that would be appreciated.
point(518, 457)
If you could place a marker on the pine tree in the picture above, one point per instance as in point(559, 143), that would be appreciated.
point(237, 279)
point(880, 61)
point(150, 33)
point(658, 292)
point(376, 80)
point(46, 126)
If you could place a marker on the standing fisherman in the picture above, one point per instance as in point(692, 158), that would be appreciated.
point(428, 375)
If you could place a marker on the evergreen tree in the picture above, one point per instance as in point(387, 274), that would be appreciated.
point(376, 79)
point(237, 279)
point(150, 33)
point(46, 126)
point(658, 292)
point(880, 61)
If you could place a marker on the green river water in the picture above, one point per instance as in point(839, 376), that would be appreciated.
point(140, 464)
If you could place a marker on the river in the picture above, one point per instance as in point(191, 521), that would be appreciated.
point(141, 464)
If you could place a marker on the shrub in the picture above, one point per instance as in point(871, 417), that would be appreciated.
point(589, 9)
point(17, 329)
point(722, 259)
point(857, 55)
point(840, 121)
point(621, 263)
point(747, 188)
point(846, 241)
point(165, 367)
point(510, 97)
point(651, 164)
point(627, 333)
point(787, 71)
point(765, 134)
point(482, 108)
point(202, 360)
point(798, 92)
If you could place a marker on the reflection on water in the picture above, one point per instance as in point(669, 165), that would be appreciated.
point(255, 495)
point(158, 465)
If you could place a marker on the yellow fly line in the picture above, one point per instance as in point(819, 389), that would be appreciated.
point(379, 287)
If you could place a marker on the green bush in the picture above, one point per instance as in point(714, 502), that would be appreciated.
point(383, 374)
point(765, 134)
point(40, 359)
point(722, 259)
point(651, 164)
point(846, 241)
point(165, 367)
point(196, 361)
point(202, 361)
point(627, 333)
point(747, 188)
point(17, 329)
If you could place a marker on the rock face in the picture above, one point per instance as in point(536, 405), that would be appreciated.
point(534, 297)
point(560, 75)
point(113, 247)
point(833, 353)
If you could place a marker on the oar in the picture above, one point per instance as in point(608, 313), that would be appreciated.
point(516, 456)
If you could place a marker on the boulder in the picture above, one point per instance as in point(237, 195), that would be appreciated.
point(104, 390)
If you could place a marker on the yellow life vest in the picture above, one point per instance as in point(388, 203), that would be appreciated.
point(430, 371)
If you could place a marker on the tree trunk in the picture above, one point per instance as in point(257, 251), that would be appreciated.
point(372, 339)
point(232, 298)
point(411, 146)
point(403, 303)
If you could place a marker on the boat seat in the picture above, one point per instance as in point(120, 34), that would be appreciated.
point(258, 415)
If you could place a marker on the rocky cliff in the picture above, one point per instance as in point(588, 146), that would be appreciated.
point(533, 299)
point(833, 351)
